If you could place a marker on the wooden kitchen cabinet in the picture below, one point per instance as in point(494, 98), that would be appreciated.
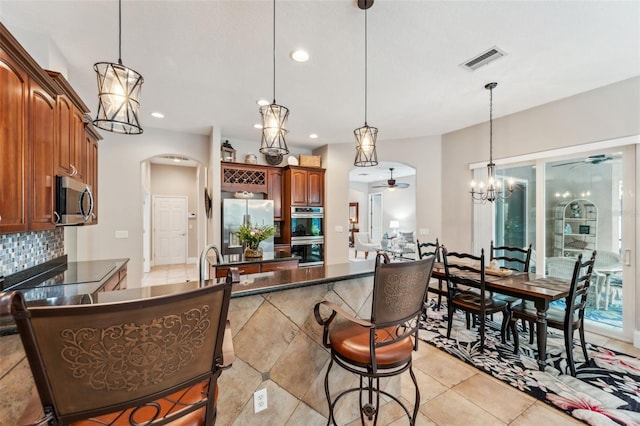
point(238, 177)
point(42, 108)
point(304, 186)
point(39, 111)
point(14, 94)
point(274, 191)
point(91, 174)
point(118, 281)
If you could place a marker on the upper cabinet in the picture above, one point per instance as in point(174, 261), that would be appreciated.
point(237, 177)
point(274, 191)
point(42, 109)
point(14, 94)
point(304, 186)
point(42, 129)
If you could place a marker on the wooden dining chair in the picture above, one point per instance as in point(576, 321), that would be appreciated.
point(151, 361)
point(467, 270)
point(381, 346)
point(568, 319)
point(432, 249)
point(514, 259)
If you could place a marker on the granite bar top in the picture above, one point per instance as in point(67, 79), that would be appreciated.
point(251, 284)
point(239, 259)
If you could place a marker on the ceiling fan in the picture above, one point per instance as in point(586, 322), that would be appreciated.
point(391, 183)
point(592, 159)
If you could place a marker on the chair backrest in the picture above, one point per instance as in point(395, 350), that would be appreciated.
point(93, 360)
point(580, 281)
point(399, 291)
point(429, 249)
point(362, 237)
point(464, 269)
point(514, 258)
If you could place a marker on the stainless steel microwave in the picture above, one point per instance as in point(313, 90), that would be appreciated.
point(74, 201)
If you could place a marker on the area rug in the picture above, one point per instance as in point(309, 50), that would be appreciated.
point(605, 391)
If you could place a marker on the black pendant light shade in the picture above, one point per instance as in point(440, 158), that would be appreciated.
point(366, 155)
point(119, 90)
point(366, 135)
point(274, 129)
point(274, 116)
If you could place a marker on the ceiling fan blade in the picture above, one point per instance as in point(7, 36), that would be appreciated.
point(568, 163)
point(380, 186)
point(401, 185)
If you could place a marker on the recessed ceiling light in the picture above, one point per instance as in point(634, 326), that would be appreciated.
point(263, 102)
point(257, 126)
point(300, 55)
point(313, 136)
point(157, 114)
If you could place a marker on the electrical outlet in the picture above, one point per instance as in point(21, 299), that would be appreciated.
point(260, 400)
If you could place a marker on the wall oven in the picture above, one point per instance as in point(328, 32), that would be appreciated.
point(307, 222)
point(74, 201)
point(307, 235)
point(309, 249)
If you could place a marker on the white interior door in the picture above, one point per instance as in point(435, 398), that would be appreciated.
point(375, 217)
point(169, 230)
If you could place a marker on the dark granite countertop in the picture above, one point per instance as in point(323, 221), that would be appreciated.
point(268, 257)
point(251, 284)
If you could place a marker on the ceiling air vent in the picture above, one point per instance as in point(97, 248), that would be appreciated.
point(483, 58)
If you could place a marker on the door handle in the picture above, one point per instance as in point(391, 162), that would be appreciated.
point(627, 257)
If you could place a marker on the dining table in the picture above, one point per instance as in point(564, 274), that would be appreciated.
point(528, 286)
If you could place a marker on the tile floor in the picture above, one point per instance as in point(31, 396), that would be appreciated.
point(452, 392)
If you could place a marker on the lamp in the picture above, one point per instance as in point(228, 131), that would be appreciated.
point(118, 93)
point(493, 190)
point(274, 116)
point(366, 135)
point(394, 224)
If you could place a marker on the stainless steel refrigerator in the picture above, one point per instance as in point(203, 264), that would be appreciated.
point(235, 212)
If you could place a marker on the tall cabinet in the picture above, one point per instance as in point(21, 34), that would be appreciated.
point(575, 227)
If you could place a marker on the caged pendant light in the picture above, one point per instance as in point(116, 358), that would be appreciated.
point(366, 135)
point(494, 188)
point(274, 116)
point(118, 93)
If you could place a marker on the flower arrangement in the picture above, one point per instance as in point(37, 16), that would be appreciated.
point(251, 236)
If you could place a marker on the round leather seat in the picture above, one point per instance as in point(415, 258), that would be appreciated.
point(351, 341)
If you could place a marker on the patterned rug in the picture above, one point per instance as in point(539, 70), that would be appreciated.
point(605, 391)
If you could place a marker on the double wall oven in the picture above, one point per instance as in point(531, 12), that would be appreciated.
point(307, 235)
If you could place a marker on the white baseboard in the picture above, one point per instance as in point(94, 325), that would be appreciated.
point(636, 338)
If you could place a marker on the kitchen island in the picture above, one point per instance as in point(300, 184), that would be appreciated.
point(277, 342)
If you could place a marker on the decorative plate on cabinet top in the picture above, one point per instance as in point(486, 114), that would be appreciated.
point(243, 194)
point(293, 161)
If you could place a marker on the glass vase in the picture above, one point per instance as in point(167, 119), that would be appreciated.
point(252, 252)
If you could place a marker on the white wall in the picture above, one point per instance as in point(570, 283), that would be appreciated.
point(120, 194)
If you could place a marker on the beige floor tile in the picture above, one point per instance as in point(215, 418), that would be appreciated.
point(542, 414)
point(445, 368)
point(451, 408)
point(428, 386)
point(484, 391)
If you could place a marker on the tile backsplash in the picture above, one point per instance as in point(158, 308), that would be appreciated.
point(26, 249)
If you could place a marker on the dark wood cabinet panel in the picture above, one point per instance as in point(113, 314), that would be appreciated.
point(274, 191)
point(244, 270)
point(91, 175)
point(41, 137)
point(298, 187)
point(65, 133)
point(315, 188)
point(14, 92)
point(279, 266)
point(243, 177)
point(78, 146)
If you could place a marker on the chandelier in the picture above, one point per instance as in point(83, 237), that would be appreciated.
point(118, 93)
point(493, 190)
point(366, 135)
point(274, 116)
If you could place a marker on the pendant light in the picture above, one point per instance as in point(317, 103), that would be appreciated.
point(274, 116)
point(118, 93)
point(366, 135)
point(493, 189)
